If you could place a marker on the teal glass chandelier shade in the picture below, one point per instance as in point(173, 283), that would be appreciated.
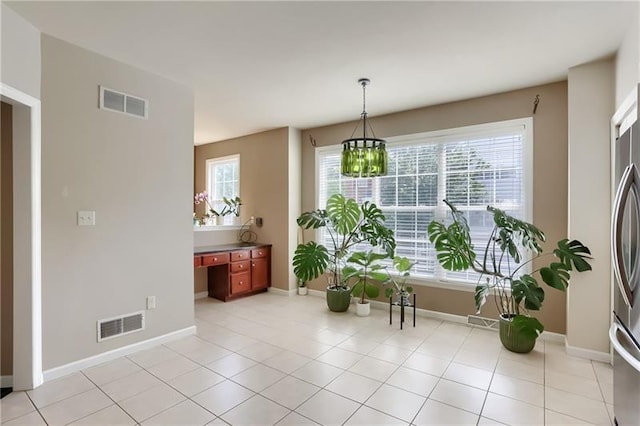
point(363, 156)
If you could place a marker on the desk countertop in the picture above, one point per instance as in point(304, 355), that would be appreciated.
point(227, 247)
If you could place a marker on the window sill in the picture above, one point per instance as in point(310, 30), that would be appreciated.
point(447, 285)
point(216, 228)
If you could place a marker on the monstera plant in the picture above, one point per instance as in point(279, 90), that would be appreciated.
point(347, 224)
point(504, 266)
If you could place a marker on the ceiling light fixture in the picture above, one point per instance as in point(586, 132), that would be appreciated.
point(364, 156)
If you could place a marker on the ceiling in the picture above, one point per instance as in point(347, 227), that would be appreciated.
point(255, 66)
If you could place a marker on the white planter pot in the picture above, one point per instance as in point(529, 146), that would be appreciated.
point(302, 291)
point(219, 220)
point(363, 309)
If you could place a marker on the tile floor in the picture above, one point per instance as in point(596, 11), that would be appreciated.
point(272, 359)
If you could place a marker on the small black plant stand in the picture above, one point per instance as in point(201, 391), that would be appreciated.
point(402, 305)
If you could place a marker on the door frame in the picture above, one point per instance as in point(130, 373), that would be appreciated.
point(27, 244)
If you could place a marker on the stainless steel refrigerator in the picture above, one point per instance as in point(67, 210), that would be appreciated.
point(625, 235)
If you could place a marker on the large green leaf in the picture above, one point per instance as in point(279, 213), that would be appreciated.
point(526, 289)
point(481, 293)
point(556, 275)
point(374, 230)
point(529, 327)
point(512, 231)
point(344, 214)
point(452, 244)
point(313, 220)
point(310, 260)
point(573, 254)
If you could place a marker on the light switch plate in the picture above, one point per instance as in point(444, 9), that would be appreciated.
point(151, 302)
point(86, 218)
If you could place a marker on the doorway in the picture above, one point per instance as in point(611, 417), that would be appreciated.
point(6, 248)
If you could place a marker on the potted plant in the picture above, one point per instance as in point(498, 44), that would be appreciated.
point(302, 288)
point(232, 208)
point(398, 282)
point(363, 268)
point(502, 267)
point(211, 216)
point(347, 224)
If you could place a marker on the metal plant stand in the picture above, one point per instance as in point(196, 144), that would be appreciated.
point(402, 306)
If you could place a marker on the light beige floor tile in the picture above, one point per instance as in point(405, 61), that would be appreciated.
point(290, 392)
point(340, 358)
point(207, 354)
point(256, 411)
point(458, 395)
point(185, 413)
point(75, 407)
point(368, 416)
point(470, 376)
point(373, 368)
point(612, 415)
point(173, 368)
point(535, 358)
point(309, 348)
point(258, 377)
point(390, 353)
point(427, 364)
point(330, 337)
point(413, 381)
point(295, 419)
point(477, 359)
point(150, 357)
point(569, 365)
point(327, 408)
point(317, 373)
point(233, 343)
point(195, 381)
point(577, 406)
point(231, 365)
point(489, 422)
point(16, 404)
point(358, 344)
point(573, 384)
point(187, 344)
point(130, 385)
point(437, 413)
point(556, 419)
point(396, 402)
point(511, 411)
point(603, 372)
point(519, 389)
point(151, 402)
point(607, 392)
point(404, 342)
point(260, 351)
point(112, 416)
point(376, 334)
point(32, 419)
point(59, 389)
point(286, 361)
point(520, 370)
point(439, 349)
point(222, 397)
point(354, 386)
point(112, 370)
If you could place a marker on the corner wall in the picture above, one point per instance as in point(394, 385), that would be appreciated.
point(549, 175)
point(137, 176)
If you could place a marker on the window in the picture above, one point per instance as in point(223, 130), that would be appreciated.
point(223, 179)
point(472, 167)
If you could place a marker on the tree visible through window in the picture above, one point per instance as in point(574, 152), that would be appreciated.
point(471, 167)
point(223, 179)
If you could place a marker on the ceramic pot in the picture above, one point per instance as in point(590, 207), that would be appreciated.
point(338, 298)
point(512, 339)
point(302, 291)
point(363, 309)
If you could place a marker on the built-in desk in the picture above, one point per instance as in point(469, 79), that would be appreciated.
point(235, 270)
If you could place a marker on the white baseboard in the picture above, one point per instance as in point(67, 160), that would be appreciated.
point(425, 313)
point(316, 293)
point(201, 295)
point(588, 354)
point(6, 381)
point(74, 366)
point(290, 292)
point(550, 336)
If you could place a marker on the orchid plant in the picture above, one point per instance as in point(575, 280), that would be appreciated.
point(203, 197)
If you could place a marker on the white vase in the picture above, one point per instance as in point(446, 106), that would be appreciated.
point(363, 309)
point(219, 220)
point(302, 291)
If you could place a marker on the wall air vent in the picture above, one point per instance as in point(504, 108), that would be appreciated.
point(113, 100)
point(482, 321)
point(114, 327)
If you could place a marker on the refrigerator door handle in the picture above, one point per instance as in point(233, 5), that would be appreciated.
point(617, 331)
point(629, 179)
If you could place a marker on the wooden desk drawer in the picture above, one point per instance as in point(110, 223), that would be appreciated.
point(239, 266)
point(259, 252)
point(197, 261)
point(240, 282)
point(239, 255)
point(215, 259)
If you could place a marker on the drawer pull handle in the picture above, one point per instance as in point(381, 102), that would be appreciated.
point(241, 266)
point(215, 259)
point(253, 264)
point(260, 253)
point(241, 283)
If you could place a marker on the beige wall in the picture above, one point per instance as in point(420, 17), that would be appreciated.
point(6, 240)
point(549, 181)
point(137, 176)
point(264, 182)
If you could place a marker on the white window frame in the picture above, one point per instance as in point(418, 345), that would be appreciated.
point(524, 125)
point(210, 164)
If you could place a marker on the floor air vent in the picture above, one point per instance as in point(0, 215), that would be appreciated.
point(482, 322)
point(114, 327)
point(113, 100)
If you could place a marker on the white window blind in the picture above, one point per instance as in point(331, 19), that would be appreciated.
point(471, 167)
point(223, 179)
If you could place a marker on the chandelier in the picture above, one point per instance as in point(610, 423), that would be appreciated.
point(364, 156)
